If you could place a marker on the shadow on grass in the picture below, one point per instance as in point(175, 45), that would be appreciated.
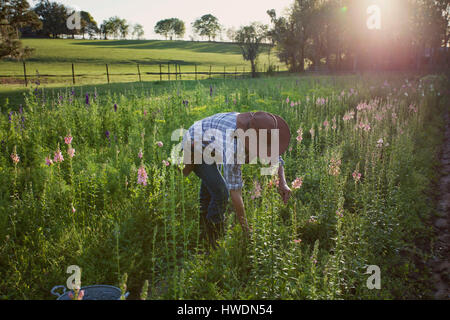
point(16, 97)
point(205, 47)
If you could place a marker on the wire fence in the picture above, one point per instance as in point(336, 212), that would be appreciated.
point(164, 72)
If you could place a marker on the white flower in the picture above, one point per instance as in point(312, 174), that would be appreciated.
point(380, 143)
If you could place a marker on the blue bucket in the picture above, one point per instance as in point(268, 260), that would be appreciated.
point(96, 292)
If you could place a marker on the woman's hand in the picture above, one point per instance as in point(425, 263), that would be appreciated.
point(188, 169)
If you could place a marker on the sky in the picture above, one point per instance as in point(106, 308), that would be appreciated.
point(231, 13)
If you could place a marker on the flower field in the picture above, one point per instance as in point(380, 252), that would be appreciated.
point(87, 179)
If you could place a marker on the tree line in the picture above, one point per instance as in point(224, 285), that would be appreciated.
point(336, 33)
point(341, 35)
point(314, 34)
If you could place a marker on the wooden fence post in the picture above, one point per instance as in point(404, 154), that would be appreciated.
point(195, 72)
point(235, 73)
point(176, 72)
point(25, 74)
point(168, 71)
point(107, 72)
point(160, 72)
point(73, 74)
point(210, 71)
point(139, 72)
point(179, 69)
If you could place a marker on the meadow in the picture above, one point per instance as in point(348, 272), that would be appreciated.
point(363, 156)
point(55, 57)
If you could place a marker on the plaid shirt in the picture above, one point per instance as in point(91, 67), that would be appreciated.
point(226, 124)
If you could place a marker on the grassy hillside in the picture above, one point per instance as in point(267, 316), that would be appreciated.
point(55, 56)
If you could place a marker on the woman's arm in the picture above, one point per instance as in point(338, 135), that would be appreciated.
point(283, 188)
point(238, 204)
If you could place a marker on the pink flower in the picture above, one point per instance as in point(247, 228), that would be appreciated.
point(48, 161)
point(380, 143)
point(142, 176)
point(340, 213)
point(292, 104)
point(145, 112)
point(365, 126)
point(257, 191)
point(159, 144)
point(68, 139)
point(300, 135)
point(413, 108)
point(140, 154)
point(356, 176)
point(274, 181)
point(166, 163)
point(348, 116)
point(71, 152)
point(326, 123)
point(287, 100)
point(73, 209)
point(334, 167)
point(58, 157)
point(321, 101)
point(15, 158)
point(297, 183)
point(298, 241)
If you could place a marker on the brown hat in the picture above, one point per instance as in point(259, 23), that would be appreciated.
point(266, 120)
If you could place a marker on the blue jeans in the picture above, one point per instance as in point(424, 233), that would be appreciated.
point(213, 193)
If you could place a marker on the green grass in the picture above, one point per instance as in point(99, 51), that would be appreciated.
point(55, 56)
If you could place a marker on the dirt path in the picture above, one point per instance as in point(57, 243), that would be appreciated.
point(440, 263)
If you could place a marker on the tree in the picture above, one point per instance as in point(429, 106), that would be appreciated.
point(54, 18)
point(115, 27)
point(14, 15)
point(179, 28)
point(249, 39)
point(170, 28)
point(207, 26)
point(163, 27)
point(299, 34)
point(138, 31)
point(106, 28)
point(124, 28)
point(88, 24)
